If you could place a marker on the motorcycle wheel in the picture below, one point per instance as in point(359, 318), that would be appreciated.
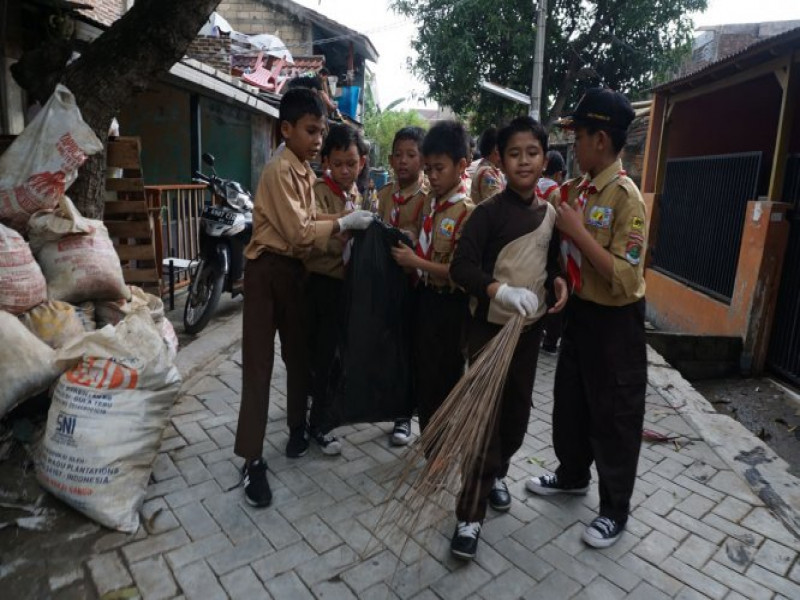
point(201, 305)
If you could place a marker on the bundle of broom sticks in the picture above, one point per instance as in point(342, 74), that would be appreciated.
point(455, 441)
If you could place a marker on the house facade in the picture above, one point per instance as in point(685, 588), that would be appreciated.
point(721, 177)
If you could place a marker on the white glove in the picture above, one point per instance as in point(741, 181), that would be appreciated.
point(519, 299)
point(359, 219)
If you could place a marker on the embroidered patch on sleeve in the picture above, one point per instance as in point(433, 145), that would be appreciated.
point(600, 216)
point(636, 237)
point(633, 252)
point(447, 226)
point(637, 224)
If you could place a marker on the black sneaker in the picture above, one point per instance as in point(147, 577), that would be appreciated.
point(550, 348)
point(465, 539)
point(256, 488)
point(328, 442)
point(499, 498)
point(297, 445)
point(602, 532)
point(401, 434)
point(548, 485)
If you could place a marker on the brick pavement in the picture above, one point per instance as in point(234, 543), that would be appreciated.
point(696, 530)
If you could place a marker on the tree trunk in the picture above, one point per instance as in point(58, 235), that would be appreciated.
point(136, 50)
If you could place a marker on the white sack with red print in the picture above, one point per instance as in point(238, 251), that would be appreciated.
point(43, 161)
point(76, 255)
point(109, 411)
point(22, 284)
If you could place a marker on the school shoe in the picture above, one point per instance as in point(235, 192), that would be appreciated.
point(499, 498)
point(327, 442)
point(401, 434)
point(297, 445)
point(256, 488)
point(465, 539)
point(548, 485)
point(602, 532)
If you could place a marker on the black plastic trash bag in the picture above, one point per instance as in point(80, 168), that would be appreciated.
point(372, 376)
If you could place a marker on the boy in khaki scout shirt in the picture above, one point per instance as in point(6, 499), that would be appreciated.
point(343, 155)
point(285, 228)
point(601, 376)
point(441, 311)
point(400, 204)
point(488, 179)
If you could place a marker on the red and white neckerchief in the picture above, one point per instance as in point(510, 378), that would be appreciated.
point(544, 187)
point(334, 187)
point(569, 250)
point(424, 247)
point(399, 200)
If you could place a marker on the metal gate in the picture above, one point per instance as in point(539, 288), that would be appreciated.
point(784, 346)
point(702, 212)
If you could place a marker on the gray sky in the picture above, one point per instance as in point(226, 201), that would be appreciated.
point(391, 34)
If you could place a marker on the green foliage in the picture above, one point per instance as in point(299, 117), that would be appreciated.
point(380, 127)
point(623, 45)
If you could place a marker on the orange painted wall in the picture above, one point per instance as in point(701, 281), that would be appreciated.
point(673, 306)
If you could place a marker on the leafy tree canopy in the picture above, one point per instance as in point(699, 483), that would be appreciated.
point(380, 127)
point(628, 46)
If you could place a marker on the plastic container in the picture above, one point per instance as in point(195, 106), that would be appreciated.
point(380, 177)
point(348, 101)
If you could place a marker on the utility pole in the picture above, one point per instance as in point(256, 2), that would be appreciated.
point(538, 60)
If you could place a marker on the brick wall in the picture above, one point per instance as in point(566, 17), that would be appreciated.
point(252, 16)
point(104, 11)
point(730, 43)
point(213, 51)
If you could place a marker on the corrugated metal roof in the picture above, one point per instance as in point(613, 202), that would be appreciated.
point(736, 62)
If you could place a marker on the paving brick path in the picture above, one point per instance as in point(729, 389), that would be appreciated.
point(697, 529)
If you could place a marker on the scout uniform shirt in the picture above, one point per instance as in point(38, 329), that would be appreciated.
point(331, 199)
point(487, 182)
point(403, 208)
point(442, 222)
point(614, 213)
point(284, 212)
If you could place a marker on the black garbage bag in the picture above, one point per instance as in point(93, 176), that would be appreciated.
point(372, 373)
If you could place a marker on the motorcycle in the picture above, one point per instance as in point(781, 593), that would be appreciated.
point(226, 226)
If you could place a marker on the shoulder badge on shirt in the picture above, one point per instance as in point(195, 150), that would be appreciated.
point(637, 224)
point(633, 252)
point(600, 216)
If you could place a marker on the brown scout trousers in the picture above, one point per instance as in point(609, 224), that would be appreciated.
point(598, 407)
point(438, 347)
point(512, 418)
point(273, 301)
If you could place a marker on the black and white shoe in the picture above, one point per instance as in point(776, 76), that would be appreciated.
point(548, 485)
point(297, 445)
point(499, 498)
point(401, 434)
point(256, 487)
point(602, 532)
point(464, 544)
point(328, 443)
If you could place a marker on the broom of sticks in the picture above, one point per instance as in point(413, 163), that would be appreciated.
point(455, 440)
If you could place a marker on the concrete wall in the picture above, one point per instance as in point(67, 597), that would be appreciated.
point(674, 306)
point(252, 17)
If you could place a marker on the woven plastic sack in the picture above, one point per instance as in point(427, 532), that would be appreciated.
point(43, 161)
point(27, 364)
point(55, 323)
point(76, 255)
point(111, 312)
point(22, 284)
point(105, 424)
